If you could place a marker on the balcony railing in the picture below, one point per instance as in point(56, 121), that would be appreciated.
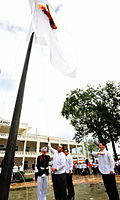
point(42, 139)
point(20, 153)
point(33, 154)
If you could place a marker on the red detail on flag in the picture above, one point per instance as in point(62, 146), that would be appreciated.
point(46, 12)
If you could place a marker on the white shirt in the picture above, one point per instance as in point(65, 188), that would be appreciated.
point(79, 166)
point(21, 168)
point(59, 160)
point(95, 165)
point(15, 168)
point(69, 163)
point(36, 169)
point(84, 166)
point(105, 162)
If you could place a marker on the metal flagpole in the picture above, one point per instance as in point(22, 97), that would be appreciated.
point(8, 161)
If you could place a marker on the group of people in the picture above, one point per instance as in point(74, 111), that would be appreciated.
point(62, 167)
point(82, 168)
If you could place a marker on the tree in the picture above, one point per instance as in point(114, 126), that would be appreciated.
point(90, 146)
point(95, 111)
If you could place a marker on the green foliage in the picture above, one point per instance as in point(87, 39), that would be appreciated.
point(95, 111)
point(91, 146)
point(19, 177)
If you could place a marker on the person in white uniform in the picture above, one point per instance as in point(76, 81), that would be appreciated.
point(106, 167)
point(43, 172)
point(15, 170)
point(69, 169)
point(58, 172)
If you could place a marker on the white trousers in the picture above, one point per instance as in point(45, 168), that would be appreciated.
point(42, 187)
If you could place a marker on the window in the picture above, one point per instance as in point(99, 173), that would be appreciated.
point(27, 149)
point(2, 147)
point(16, 148)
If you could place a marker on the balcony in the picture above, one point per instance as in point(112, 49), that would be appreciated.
point(20, 154)
point(33, 154)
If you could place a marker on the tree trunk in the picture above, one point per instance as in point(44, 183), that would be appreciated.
point(100, 138)
point(113, 144)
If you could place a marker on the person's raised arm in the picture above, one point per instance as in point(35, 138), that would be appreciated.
point(50, 148)
point(96, 154)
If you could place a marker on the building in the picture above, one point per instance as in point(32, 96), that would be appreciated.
point(28, 145)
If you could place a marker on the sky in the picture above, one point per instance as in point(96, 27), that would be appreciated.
point(94, 27)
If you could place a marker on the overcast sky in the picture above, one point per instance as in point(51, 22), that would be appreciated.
point(95, 29)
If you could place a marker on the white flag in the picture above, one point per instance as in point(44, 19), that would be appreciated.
point(60, 44)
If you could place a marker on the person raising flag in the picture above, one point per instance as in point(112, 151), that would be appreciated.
point(58, 172)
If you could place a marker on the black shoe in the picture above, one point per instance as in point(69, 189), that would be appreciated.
point(72, 198)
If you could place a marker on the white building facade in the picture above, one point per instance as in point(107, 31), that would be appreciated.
point(28, 145)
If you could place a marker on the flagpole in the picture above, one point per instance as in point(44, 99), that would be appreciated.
point(8, 161)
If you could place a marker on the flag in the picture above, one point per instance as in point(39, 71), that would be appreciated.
point(49, 32)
